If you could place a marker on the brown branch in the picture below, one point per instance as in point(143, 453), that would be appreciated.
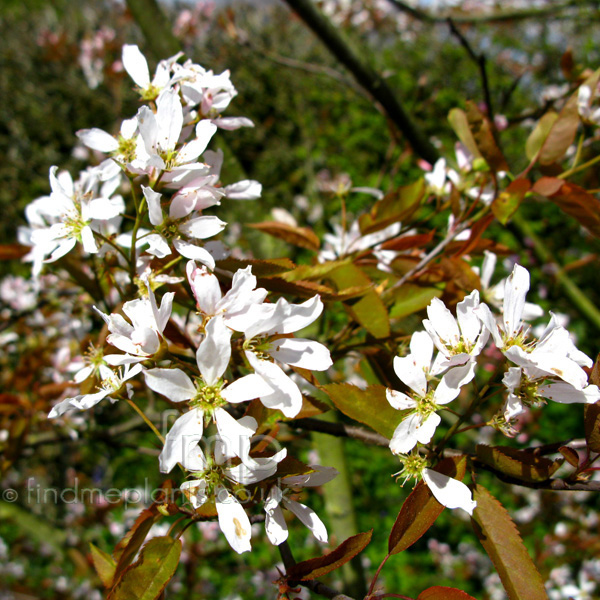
point(498, 17)
point(341, 430)
point(365, 75)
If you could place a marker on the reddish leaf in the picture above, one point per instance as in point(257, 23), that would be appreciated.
point(570, 455)
point(520, 464)
point(297, 236)
point(592, 426)
point(317, 567)
point(476, 232)
point(482, 132)
point(420, 510)
point(562, 133)
point(508, 201)
point(578, 203)
point(260, 268)
point(501, 540)
point(440, 592)
point(303, 289)
point(406, 242)
point(538, 136)
point(547, 186)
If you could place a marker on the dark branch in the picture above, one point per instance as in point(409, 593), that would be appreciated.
point(367, 77)
point(341, 430)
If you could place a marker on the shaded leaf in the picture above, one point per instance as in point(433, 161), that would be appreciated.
point(368, 406)
point(484, 138)
point(520, 464)
point(297, 236)
point(148, 576)
point(570, 455)
point(539, 134)
point(547, 186)
point(13, 251)
point(303, 289)
point(477, 231)
point(406, 242)
point(440, 592)
point(395, 207)
point(592, 426)
point(410, 298)
point(499, 536)
point(420, 509)
point(317, 567)
point(509, 200)
point(260, 268)
point(104, 565)
point(562, 133)
point(317, 271)
point(459, 122)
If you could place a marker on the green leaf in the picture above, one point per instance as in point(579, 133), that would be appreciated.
point(410, 298)
point(318, 271)
point(538, 136)
point(420, 510)
point(520, 464)
point(371, 313)
point(562, 133)
point(317, 567)
point(368, 406)
point(459, 122)
point(509, 200)
point(148, 576)
point(592, 426)
point(260, 268)
point(440, 592)
point(503, 544)
point(104, 564)
point(129, 545)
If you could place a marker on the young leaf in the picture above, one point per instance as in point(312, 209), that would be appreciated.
point(592, 426)
point(503, 544)
point(148, 576)
point(538, 136)
point(297, 236)
point(570, 455)
point(484, 138)
point(420, 510)
point(459, 122)
point(508, 201)
point(371, 313)
point(368, 406)
point(104, 564)
point(317, 567)
point(260, 268)
point(520, 464)
point(562, 133)
point(440, 592)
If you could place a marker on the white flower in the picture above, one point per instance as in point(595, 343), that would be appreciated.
point(139, 339)
point(459, 339)
point(420, 424)
point(265, 326)
point(211, 302)
point(175, 229)
point(275, 525)
point(109, 386)
point(136, 66)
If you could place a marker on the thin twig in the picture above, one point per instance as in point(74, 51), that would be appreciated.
point(341, 430)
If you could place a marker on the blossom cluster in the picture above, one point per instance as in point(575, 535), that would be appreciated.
point(546, 367)
point(243, 345)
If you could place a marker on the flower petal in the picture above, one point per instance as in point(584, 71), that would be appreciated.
point(449, 492)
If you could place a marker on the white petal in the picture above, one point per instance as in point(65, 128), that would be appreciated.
point(97, 139)
point(449, 387)
point(469, 324)
point(320, 476)
point(567, 394)
point(136, 65)
point(183, 437)
point(301, 353)
point(154, 209)
point(443, 322)
point(172, 383)
point(485, 315)
point(202, 227)
point(169, 116)
point(405, 436)
point(275, 525)
point(308, 517)
point(246, 189)
point(214, 352)
point(194, 252)
point(233, 521)
point(247, 388)
point(449, 492)
point(197, 491)
point(399, 400)
point(235, 434)
point(515, 290)
point(426, 430)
